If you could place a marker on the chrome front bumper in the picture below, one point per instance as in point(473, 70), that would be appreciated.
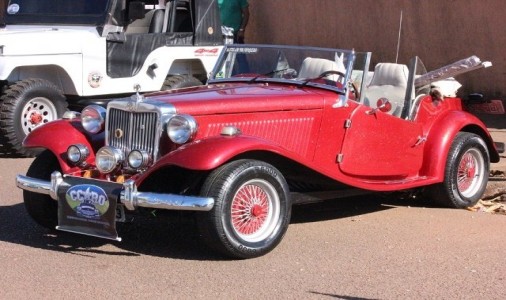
point(129, 196)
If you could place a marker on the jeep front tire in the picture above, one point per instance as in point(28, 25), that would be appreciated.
point(26, 105)
point(180, 81)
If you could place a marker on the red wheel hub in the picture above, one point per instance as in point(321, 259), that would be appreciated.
point(35, 118)
point(257, 210)
point(466, 172)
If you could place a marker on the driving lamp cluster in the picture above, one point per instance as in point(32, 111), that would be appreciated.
point(180, 129)
point(108, 158)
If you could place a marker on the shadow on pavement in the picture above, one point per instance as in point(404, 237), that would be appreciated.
point(174, 236)
point(169, 238)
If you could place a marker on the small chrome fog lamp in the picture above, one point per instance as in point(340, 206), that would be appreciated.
point(181, 128)
point(93, 118)
point(108, 158)
point(139, 159)
point(78, 153)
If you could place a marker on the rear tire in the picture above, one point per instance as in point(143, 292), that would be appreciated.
point(466, 173)
point(26, 105)
point(42, 208)
point(180, 81)
point(251, 212)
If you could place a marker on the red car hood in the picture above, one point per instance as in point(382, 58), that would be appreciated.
point(242, 97)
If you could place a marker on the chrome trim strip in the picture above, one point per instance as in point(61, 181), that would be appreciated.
point(33, 185)
point(129, 197)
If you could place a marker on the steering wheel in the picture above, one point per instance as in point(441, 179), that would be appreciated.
point(331, 72)
point(322, 75)
point(355, 91)
point(353, 85)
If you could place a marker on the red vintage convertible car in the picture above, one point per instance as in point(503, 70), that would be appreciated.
point(276, 126)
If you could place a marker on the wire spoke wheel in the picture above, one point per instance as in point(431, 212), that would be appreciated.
point(255, 210)
point(252, 208)
point(466, 173)
point(470, 172)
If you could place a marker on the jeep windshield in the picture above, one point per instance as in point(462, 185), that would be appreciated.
point(51, 12)
point(302, 66)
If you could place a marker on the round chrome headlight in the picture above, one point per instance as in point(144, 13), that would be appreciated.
point(77, 154)
point(93, 118)
point(139, 159)
point(108, 158)
point(181, 128)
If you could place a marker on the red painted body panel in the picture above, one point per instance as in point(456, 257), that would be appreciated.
point(295, 131)
point(379, 151)
point(57, 136)
point(212, 152)
point(441, 136)
point(241, 98)
point(381, 147)
point(376, 151)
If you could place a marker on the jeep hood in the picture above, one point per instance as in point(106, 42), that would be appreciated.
point(20, 40)
point(243, 98)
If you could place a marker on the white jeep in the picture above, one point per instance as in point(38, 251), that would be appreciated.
point(60, 53)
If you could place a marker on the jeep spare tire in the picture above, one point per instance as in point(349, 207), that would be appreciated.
point(26, 105)
point(180, 81)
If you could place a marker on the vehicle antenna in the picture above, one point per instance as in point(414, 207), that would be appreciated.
point(399, 39)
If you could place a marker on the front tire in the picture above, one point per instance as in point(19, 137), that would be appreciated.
point(466, 173)
point(251, 212)
point(26, 105)
point(42, 208)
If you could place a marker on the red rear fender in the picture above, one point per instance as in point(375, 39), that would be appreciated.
point(440, 138)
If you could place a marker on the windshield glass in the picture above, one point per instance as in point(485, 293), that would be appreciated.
point(67, 12)
point(323, 67)
point(420, 72)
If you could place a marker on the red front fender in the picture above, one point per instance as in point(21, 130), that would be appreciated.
point(212, 152)
point(57, 136)
point(440, 138)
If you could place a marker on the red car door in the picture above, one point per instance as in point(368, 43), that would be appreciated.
point(378, 145)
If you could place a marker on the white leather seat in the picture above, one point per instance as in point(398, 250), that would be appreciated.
point(313, 67)
point(389, 81)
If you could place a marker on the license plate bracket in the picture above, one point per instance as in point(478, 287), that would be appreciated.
point(88, 206)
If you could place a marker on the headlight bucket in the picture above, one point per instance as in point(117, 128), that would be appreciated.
point(77, 154)
point(108, 158)
point(181, 128)
point(93, 118)
point(139, 159)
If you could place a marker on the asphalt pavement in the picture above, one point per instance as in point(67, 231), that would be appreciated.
point(356, 248)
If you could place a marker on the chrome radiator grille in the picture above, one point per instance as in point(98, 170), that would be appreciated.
point(133, 131)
